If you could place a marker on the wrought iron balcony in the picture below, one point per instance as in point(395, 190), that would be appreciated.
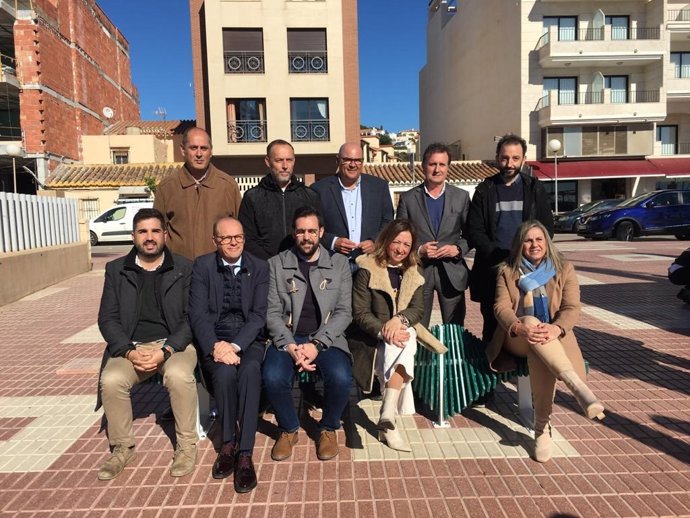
point(310, 130)
point(240, 62)
point(678, 15)
point(308, 62)
point(247, 131)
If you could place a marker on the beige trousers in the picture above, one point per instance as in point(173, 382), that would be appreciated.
point(118, 378)
point(544, 365)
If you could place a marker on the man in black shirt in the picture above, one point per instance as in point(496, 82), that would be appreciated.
point(143, 318)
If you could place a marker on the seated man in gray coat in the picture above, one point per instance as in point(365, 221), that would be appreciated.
point(143, 318)
point(309, 308)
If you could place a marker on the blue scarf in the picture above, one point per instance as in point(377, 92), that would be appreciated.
point(532, 280)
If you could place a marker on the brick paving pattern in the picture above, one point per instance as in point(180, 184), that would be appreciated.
point(633, 331)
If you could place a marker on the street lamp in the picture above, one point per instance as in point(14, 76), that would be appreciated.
point(555, 147)
point(411, 147)
point(14, 151)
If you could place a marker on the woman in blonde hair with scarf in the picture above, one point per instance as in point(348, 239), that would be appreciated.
point(537, 305)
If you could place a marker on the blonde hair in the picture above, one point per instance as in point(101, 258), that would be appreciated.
point(515, 258)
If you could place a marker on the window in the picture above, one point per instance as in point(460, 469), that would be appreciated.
point(243, 51)
point(587, 140)
point(307, 53)
point(681, 64)
point(120, 155)
point(246, 120)
point(89, 208)
point(619, 88)
point(565, 86)
point(567, 194)
point(619, 26)
point(309, 120)
point(666, 199)
point(668, 136)
point(567, 26)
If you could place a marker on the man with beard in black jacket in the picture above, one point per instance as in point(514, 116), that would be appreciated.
point(266, 211)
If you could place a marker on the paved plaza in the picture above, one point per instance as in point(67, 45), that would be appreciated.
point(633, 331)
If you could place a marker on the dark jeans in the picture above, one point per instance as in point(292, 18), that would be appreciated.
point(279, 370)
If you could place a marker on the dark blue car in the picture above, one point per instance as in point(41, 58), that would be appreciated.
point(652, 213)
point(568, 222)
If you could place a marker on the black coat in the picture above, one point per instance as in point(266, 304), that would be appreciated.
point(266, 215)
point(481, 228)
point(206, 301)
point(118, 314)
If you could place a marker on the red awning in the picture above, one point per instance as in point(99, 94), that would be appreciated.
point(597, 169)
point(671, 166)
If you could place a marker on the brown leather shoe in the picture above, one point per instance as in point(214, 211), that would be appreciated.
point(245, 475)
point(225, 462)
point(328, 445)
point(282, 449)
point(119, 458)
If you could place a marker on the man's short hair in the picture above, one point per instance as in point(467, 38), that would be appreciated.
point(143, 214)
point(221, 218)
point(511, 139)
point(305, 212)
point(185, 135)
point(436, 147)
point(277, 142)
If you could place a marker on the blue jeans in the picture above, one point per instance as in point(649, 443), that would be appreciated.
point(335, 368)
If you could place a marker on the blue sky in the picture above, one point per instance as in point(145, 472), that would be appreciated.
point(391, 51)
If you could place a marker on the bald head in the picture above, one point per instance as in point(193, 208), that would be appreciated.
point(349, 162)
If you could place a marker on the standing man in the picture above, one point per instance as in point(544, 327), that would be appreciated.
point(439, 211)
point(227, 311)
point(195, 196)
point(143, 318)
point(499, 206)
point(355, 207)
point(267, 209)
point(309, 308)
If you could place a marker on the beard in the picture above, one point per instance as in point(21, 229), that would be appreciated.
point(308, 248)
point(149, 254)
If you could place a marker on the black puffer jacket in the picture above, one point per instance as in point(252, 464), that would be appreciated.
point(266, 214)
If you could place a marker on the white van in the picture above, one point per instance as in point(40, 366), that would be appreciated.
point(116, 223)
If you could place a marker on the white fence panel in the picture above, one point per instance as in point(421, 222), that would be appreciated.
point(28, 221)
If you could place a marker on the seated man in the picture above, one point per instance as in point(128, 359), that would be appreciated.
point(679, 273)
point(227, 311)
point(143, 318)
point(309, 308)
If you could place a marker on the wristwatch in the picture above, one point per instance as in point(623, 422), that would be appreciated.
point(166, 353)
point(319, 345)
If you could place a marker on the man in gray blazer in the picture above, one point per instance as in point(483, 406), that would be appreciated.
point(309, 308)
point(439, 212)
point(355, 207)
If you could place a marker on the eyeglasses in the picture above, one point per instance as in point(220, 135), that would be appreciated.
point(308, 231)
point(347, 159)
point(224, 240)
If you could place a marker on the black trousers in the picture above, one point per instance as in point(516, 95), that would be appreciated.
point(237, 391)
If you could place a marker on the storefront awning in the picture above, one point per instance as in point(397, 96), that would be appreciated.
point(586, 169)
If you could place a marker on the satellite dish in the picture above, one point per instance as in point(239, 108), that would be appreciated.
point(108, 112)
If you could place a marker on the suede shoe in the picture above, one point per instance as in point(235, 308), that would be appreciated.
point(184, 461)
point(245, 475)
point(328, 445)
point(225, 462)
point(119, 458)
point(282, 449)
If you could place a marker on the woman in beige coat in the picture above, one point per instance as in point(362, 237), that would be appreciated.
point(537, 305)
point(387, 305)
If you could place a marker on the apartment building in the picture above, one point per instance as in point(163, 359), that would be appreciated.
point(65, 73)
point(276, 69)
point(603, 87)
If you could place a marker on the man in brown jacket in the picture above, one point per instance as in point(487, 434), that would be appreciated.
point(195, 196)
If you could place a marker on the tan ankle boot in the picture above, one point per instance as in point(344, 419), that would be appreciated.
point(542, 442)
point(394, 440)
point(389, 408)
point(591, 406)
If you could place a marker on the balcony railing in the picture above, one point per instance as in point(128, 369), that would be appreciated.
point(310, 130)
point(308, 62)
point(615, 97)
point(247, 131)
point(598, 34)
point(241, 62)
point(678, 15)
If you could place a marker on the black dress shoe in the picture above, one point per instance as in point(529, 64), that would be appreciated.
point(245, 476)
point(225, 462)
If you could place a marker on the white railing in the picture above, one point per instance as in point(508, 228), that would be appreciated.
point(28, 221)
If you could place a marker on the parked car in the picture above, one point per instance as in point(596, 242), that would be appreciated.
point(116, 223)
point(567, 222)
point(652, 213)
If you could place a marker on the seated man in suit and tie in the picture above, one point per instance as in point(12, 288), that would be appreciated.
point(227, 312)
point(355, 207)
point(439, 212)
